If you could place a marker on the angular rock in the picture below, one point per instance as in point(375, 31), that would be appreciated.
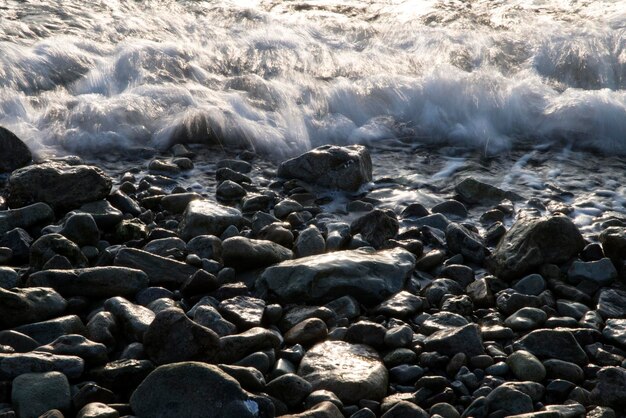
point(611, 388)
point(368, 276)
point(97, 282)
point(203, 217)
point(122, 376)
point(344, 168)
point(400, 305)
point(465, 242)
point(473, 191)
point(105, 215)
point(612, 303)
point(246, 254)
point(14, 153)
point(25, 217)
point(351, 371)
point(464, 339)
point(135, 319)
point(376, 226)
point(24, 306)
point(36, 393)
point(191, 390)
point(63, 187)
point(236, 347)
point(598, 273)
point(532, 242)
point(160, 270)
point(50, 245)
point(552, 343)
point(615, 331)
point(243, 311)
point(97, 410)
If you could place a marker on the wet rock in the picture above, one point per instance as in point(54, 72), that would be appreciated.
point(509, 400)
point(243, 311)
point(366, 332)
point(525, 366)
point(135, 319)
point(173, 337)
point(80, 228)
point(368, 276)
point(352, 372)
point(465, 242)
point(24, 217)
point(160, 270)
point(236, 347)
point(122, 376)
point(18, 241)
point(465, 339)
point(400, 305)
point(309, 242)
point(97, 410)
point(613, 240)
point(24, 306)
point(192, 390)
point(77, 345)
point(14, 153)
point(452, 209)
point(404, 409)
point(345, 168)
point(473, 191)
point(526, 319)
point(45, 332)
point(102, 328)
point(63, 187)
point(611, 387)
point(229, 190)
point(322, 410)
point(533, 285)
point(532, 242)
point(400, 336)
point(246, 254)
point(615, 331)
point(225, 173)
point(559, 369)
point(441, 321)
point(50, 245)
point(239, 166)
point(552, 343)
point(35, 393)
point(8, 278)
point(595, 274)
point(13, 365)
point(97, 282)
point(105, 215)
point(376, 226)
point(289, 388)
point(209, 317)
point(248, 377)
point(611, 303)
point(203, 217)
point(206, 246)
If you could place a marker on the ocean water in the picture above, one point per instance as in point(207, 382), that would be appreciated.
point(281, 77)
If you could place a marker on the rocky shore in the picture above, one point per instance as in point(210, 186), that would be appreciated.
point(130, 294)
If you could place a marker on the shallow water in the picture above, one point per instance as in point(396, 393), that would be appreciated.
point(281, 77)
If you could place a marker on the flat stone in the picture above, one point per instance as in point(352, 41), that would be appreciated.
point(400, 305)
point(552, 343)
point(45, 332)
point(368, 276)
point(36, 393)
point(243, 311)
point(27, 305)
point(13, 365)
point(235, 347)
point(473, 191)
point(204, 217)
point(246, 254)
point(351, 371)
point(77, 345)
point(191, 390)
point(465, 339)
point(25, 217)
point(14, 153)
point(160, 270)
point(97, 282)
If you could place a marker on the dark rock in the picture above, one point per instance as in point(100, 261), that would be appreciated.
point(248, 377)
point(203, 217)
point(613, 240)
point(246, 254)
point(465, 242)
point(236, 347)
point(97, 410)
point(532, 284)
point(13, 365)
point(36, 393)
point(465, 340)
point(80, 228)
point(77, 345)
point(62, 186)
point(612, 303)
point(289, 388)
point(368, 276)
point(376, 226)
point(404, 409)
point(345, 168)
point(611, 387)
point(122, 376)
point(453, 209)
point(309, 242)
point(526, 319)
point(243, 311)
point(559, 369)
point(24, 217)
point(615, 331)
point(473, 191)
point(45, 332)
point(14, 153)
point(25, 306)
point(206, 246)
point(160, 270)
point(509, 400)
point(50, 245)
point(134, 319)
point(235, 165)
point(307, 332)
point(366, 332)
point(400, 305)
point(595, 273)
point(525, 366)
point(229, 190)
point(105, 215)
point(532, 242)
point(552, 343)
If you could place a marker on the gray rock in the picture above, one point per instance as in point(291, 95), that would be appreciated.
point(309, 242)
point(97, 282)
point(404, 409)
point(465, 242)
point(191, 390)
point(351, 371)
point(473, 191)
point(613, 240)
point(368, 276)
point(77, 345)
point(121, 202)
point(105, 215)
point(246, 254)
point(248, 377)
point(244, 311)
point(8, 278)
point(376, 226)
point(80, 228)
point(134, 319)
point(596, 273)
point(533, 284)
point(209, 317)
point(102, 328)
point(526, 319)
point(23, 306)
point(18, 241)
point(400, 336)
point(441, 321)
point(25, 217)
point(615, 331)
point(35, 393)
point(206, 246)
point(172, 247)
point(612, 303)
point(203, 217)
point(173, 337)
point(525, 366)
point(289, 388)
point(532, 242)
point(63, 187)
point(122, 376)
point(239, 166)
point(610, 389)
point(452, 209)
point(229, 190)
point(552, 343)
point(50, 245)
point(345, 168)
point(464, 339)
point(13, 365)
point(14, 153)
point(400, 305)
point(47, 331)
point(160, 270)
point(510, 400)
point(559, 369)
point(97, 410)
point(236, 347)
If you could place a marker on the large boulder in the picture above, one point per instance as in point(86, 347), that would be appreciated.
point(63, 187)
point(245, 254)
point(351, 371)
point(204, 217)
point(344, 168)
point(533, 241)
point(31, 215)
point(368, 276)
point(191, 390)
point(24, 306)
point(14, 153)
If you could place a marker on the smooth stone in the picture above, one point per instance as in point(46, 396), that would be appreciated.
point(526, 319)
point(351, 371)
point(453, 209)
point(228, 190)
point(27, 305)
point(615, 331)
point(366, 332)
point(400, 305)
point(307, 332)
point(473, 191)
point(612, 303)
point(14, 153)
point(79, 228)
point(66, 187)
point(247, 254)
point(204, 217)
point(8, 278)
point(613, 240)
point(97, 410)
point(236, 347)
point(225, 173)
point(309, 242)
point(121, 376)
point(36, 393)
point(248, 377)
point(533, 241)
point(400, 336)
point(121, 202)
point(465, 339)
point(376, 226)
point(510, 400)
point(441, 321)
point(559, 369)
point(239, 166)
point(289, 388)
point(172, 247)
point(13, 365)
point(460, 273)
point(45, 332)
point(319, 396)
point(206, 246)
point(105, 215)
point(244, 311)
point(97, 282)
point(160, 270)
point(50, 245)
point(322, 410)
point(525, 366)
point(533, 284)
point(344, 168)
point(209, 317)
point(25, 217)
point(368, 276)
point(610, 389)
point(134, 319)
point(404, 409)
point(597, 273)
point(552, 343)
point(77, 345)
point(191, 390)
point(18, 241)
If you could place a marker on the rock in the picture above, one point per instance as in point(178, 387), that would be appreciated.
point(532, 242)
point(400, 336)
point(405, 409)
point(63, 187)
point(526, 319)
point(351, 371)
point(309, 242)
point(400, 305)
point(225, 173)
point(191, 390)
point(160, 270)
point(595, 273)
point(102, 328)
point(105, 215)
point(18, 240)
point(611, 303)
point(35, 393)
point(533, 284)
point(172, 337)
point(376, 226)
point(203, 217)
point(559, 369)
point(465, 242)
point(615, 331)
point(307, 332)
point(289, 388)
point(239, 166)
point(452, 209)
point(13, 365)
point(50, 245)
point(206, 246)
point(209, 317)
point(135, 319)
point(236, 347)
point(80, 228)
point(344, 168)
point(24, 217)
point(613, 240)
point(229, 190)
point(243, 311)
point(473, 191)
point(322, 410)
point(122, 376)
point(368, 276)
point(171, 247)
point(525, 366)
point(442, 321)
point(509, 400)
point(14, 153)
point(465, 339)
point(8, 278)
point(248, 377)
point(97, 410)
point(24, 306)
point(611, 388)
point(246, 254)
point(47, 331)
point(552, 343)
point(77, 345)
point(97, 282)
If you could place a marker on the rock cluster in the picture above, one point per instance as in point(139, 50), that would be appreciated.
point(150, 300)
